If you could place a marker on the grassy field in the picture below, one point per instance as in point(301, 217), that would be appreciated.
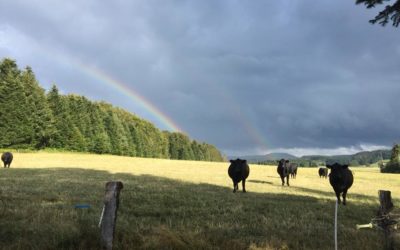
point(168, 204)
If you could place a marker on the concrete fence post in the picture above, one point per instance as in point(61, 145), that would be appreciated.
point(109, 214)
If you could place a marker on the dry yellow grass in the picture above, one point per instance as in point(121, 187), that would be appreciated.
point(174, 204)
point(367, 180)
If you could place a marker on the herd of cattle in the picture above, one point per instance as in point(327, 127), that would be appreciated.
point(340, 178)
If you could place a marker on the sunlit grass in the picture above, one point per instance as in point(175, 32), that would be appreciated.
point(181, 205)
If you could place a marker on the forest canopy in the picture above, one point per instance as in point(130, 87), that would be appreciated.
point(34, 119)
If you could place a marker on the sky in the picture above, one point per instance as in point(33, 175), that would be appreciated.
point(250, 77)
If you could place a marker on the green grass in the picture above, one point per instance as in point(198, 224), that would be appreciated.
point(169, 204)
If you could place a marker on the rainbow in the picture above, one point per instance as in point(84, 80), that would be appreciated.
point(129, 92)
point(253, 132)
point(114, 83)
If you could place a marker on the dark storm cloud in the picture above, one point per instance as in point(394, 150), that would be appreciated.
point(243, 75)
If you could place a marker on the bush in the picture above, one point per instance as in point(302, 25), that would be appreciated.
point(390, 167)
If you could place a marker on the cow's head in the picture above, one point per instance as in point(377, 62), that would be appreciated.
point(337, 170)
point(281, 163)
point(238, 164)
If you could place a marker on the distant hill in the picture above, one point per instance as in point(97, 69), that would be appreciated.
point(361, 158)
point(263, 158)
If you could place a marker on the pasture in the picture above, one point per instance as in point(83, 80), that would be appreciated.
point(167, 204)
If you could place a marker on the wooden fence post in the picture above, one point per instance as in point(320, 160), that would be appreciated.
point(385, 200)
point(109, 214)
point(385, 207)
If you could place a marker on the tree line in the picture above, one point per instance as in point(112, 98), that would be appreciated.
point(34, 119)
point(359, 159)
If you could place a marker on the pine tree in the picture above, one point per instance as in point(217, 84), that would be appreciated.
point(101, 143)
point(115, 131)
point(98, 140)
point(76, 142)
point(63, 126)
point(391, 12)
point(395, 157)
point(15, 127)
point(38, 110)
point(197, 151)
point(393, 166)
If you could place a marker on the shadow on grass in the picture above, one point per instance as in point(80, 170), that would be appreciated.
point(261, 182)
point(162, 213)
point(350, 195)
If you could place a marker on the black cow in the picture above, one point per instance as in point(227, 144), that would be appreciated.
point(283, 171)
point(341, 179)
point(7, 158)
point(238, 171)
point(292, 169)
point(323, 172)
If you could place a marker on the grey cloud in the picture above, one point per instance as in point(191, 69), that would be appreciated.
point(243, 75)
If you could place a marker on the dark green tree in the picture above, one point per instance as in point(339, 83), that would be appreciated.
point(115, 130)
point(393, 166)
point(39, 113)
point(391, 11)
point(180, 147)
point(64, 128)
point(101, 143)
point(198, 151)
point(76, 142)
point(16, 129)
point(395, 153)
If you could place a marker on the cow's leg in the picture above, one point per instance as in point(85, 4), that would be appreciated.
point(338, 196)
point(344, 196)
point(244, 185)
point(234, 186)
point(287, 180)
point(283, 181)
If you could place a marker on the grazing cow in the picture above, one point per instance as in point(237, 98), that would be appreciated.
point(238, 171)
point(283, 171)
point(341, 179)
point(7, 158)
point(323, 172)
point(292, 169)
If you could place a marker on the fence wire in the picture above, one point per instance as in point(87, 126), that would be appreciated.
point(8, 195)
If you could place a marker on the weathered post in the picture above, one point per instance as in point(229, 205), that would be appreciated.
point(383, 219)
point(109, 214)
point(385, 200)
point(385, 207)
